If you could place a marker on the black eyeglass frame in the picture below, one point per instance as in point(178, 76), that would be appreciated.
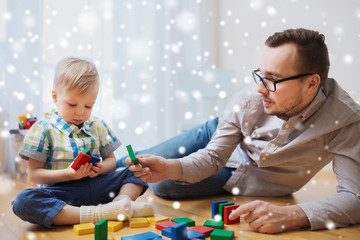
point(255, 72)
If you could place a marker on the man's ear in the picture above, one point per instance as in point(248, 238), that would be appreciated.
point(314, 83)
point(54, 96)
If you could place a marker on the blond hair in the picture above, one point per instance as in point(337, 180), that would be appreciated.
point(74, 72)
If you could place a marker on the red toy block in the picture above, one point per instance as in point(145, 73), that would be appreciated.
point(202, 229)
point(81, 159)
point(162, 225)
point(227, 211)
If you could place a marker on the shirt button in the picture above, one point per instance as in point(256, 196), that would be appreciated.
point(287, 126)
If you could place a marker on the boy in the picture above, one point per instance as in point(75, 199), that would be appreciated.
point(92, 192)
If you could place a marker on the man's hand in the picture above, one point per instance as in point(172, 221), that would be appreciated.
point(268, 218)
point(153, 168)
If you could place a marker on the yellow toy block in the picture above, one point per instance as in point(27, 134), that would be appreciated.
point(84, 228)
point(138, 222)
point(117, 238)
point(113, 226)
point(156, 219)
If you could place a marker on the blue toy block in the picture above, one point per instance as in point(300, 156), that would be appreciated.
point(215, 207)
point(142, 236)
point(176, 232)
point(94, 159)
point(193, 234)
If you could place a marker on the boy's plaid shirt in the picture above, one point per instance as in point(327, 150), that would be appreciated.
point(57, 143)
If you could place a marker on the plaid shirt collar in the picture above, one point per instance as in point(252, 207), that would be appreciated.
point(68, 128)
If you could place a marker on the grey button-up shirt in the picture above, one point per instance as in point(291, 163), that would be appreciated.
point(274, 157)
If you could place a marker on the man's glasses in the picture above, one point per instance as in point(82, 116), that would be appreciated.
point(270, 84)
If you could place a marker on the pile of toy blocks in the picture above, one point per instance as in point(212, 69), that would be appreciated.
point(176, 229)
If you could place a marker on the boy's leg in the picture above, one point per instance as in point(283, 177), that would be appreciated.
point(181, 145)
point(42, 205)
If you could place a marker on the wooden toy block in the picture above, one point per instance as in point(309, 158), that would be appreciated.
point(190, 222)
point(156, 219)
point(221, 209)
point(227, 211)
point(138, 222)
point(84, 228)
point(113, 226)
point(202, 229)
point(215, 207)
point(141, 236)
point(176, 232)
point(214, 224)
point(197, 235)
point(101, 229)
point(81, 159)
point(131, 154)
point(94, 159)
point(162, 225)
point(220, 234)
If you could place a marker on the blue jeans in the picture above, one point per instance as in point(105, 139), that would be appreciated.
point(180, 146)
point(40, 205)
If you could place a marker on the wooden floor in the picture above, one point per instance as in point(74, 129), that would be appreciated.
point(199, 210)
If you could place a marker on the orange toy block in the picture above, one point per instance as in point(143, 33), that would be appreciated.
point(138, 222)
point(162, 225)
point(113, 226)
point(227, 211)
point(156, 219)
point(84, 228)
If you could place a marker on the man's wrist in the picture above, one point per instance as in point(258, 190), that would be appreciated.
point(299, 218)
point(174, 169)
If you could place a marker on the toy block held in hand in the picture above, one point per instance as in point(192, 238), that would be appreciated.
point(81, 159)
point(84, 228)
point(94, 159)
point(227, 211)
point(131, 154)
point(101, 229)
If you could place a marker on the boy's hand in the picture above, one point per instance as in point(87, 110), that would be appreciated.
point(96, 170)
point(83, 171)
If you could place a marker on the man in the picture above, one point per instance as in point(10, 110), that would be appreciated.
point(272, 142)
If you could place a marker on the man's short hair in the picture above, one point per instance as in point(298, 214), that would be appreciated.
point(74, 72)
point(313, 56)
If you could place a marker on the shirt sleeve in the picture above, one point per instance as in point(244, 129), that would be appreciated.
point(108, 140)
point(36, 142)
point(343, 208)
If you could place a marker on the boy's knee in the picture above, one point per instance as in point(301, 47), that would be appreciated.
point(20, 202)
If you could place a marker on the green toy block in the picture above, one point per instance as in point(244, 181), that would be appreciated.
point(214, 224)
point(131, 154)
point(190, 222)
point(220, 234)
point(221, 209)
point(101, 229)
point(86, 151)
